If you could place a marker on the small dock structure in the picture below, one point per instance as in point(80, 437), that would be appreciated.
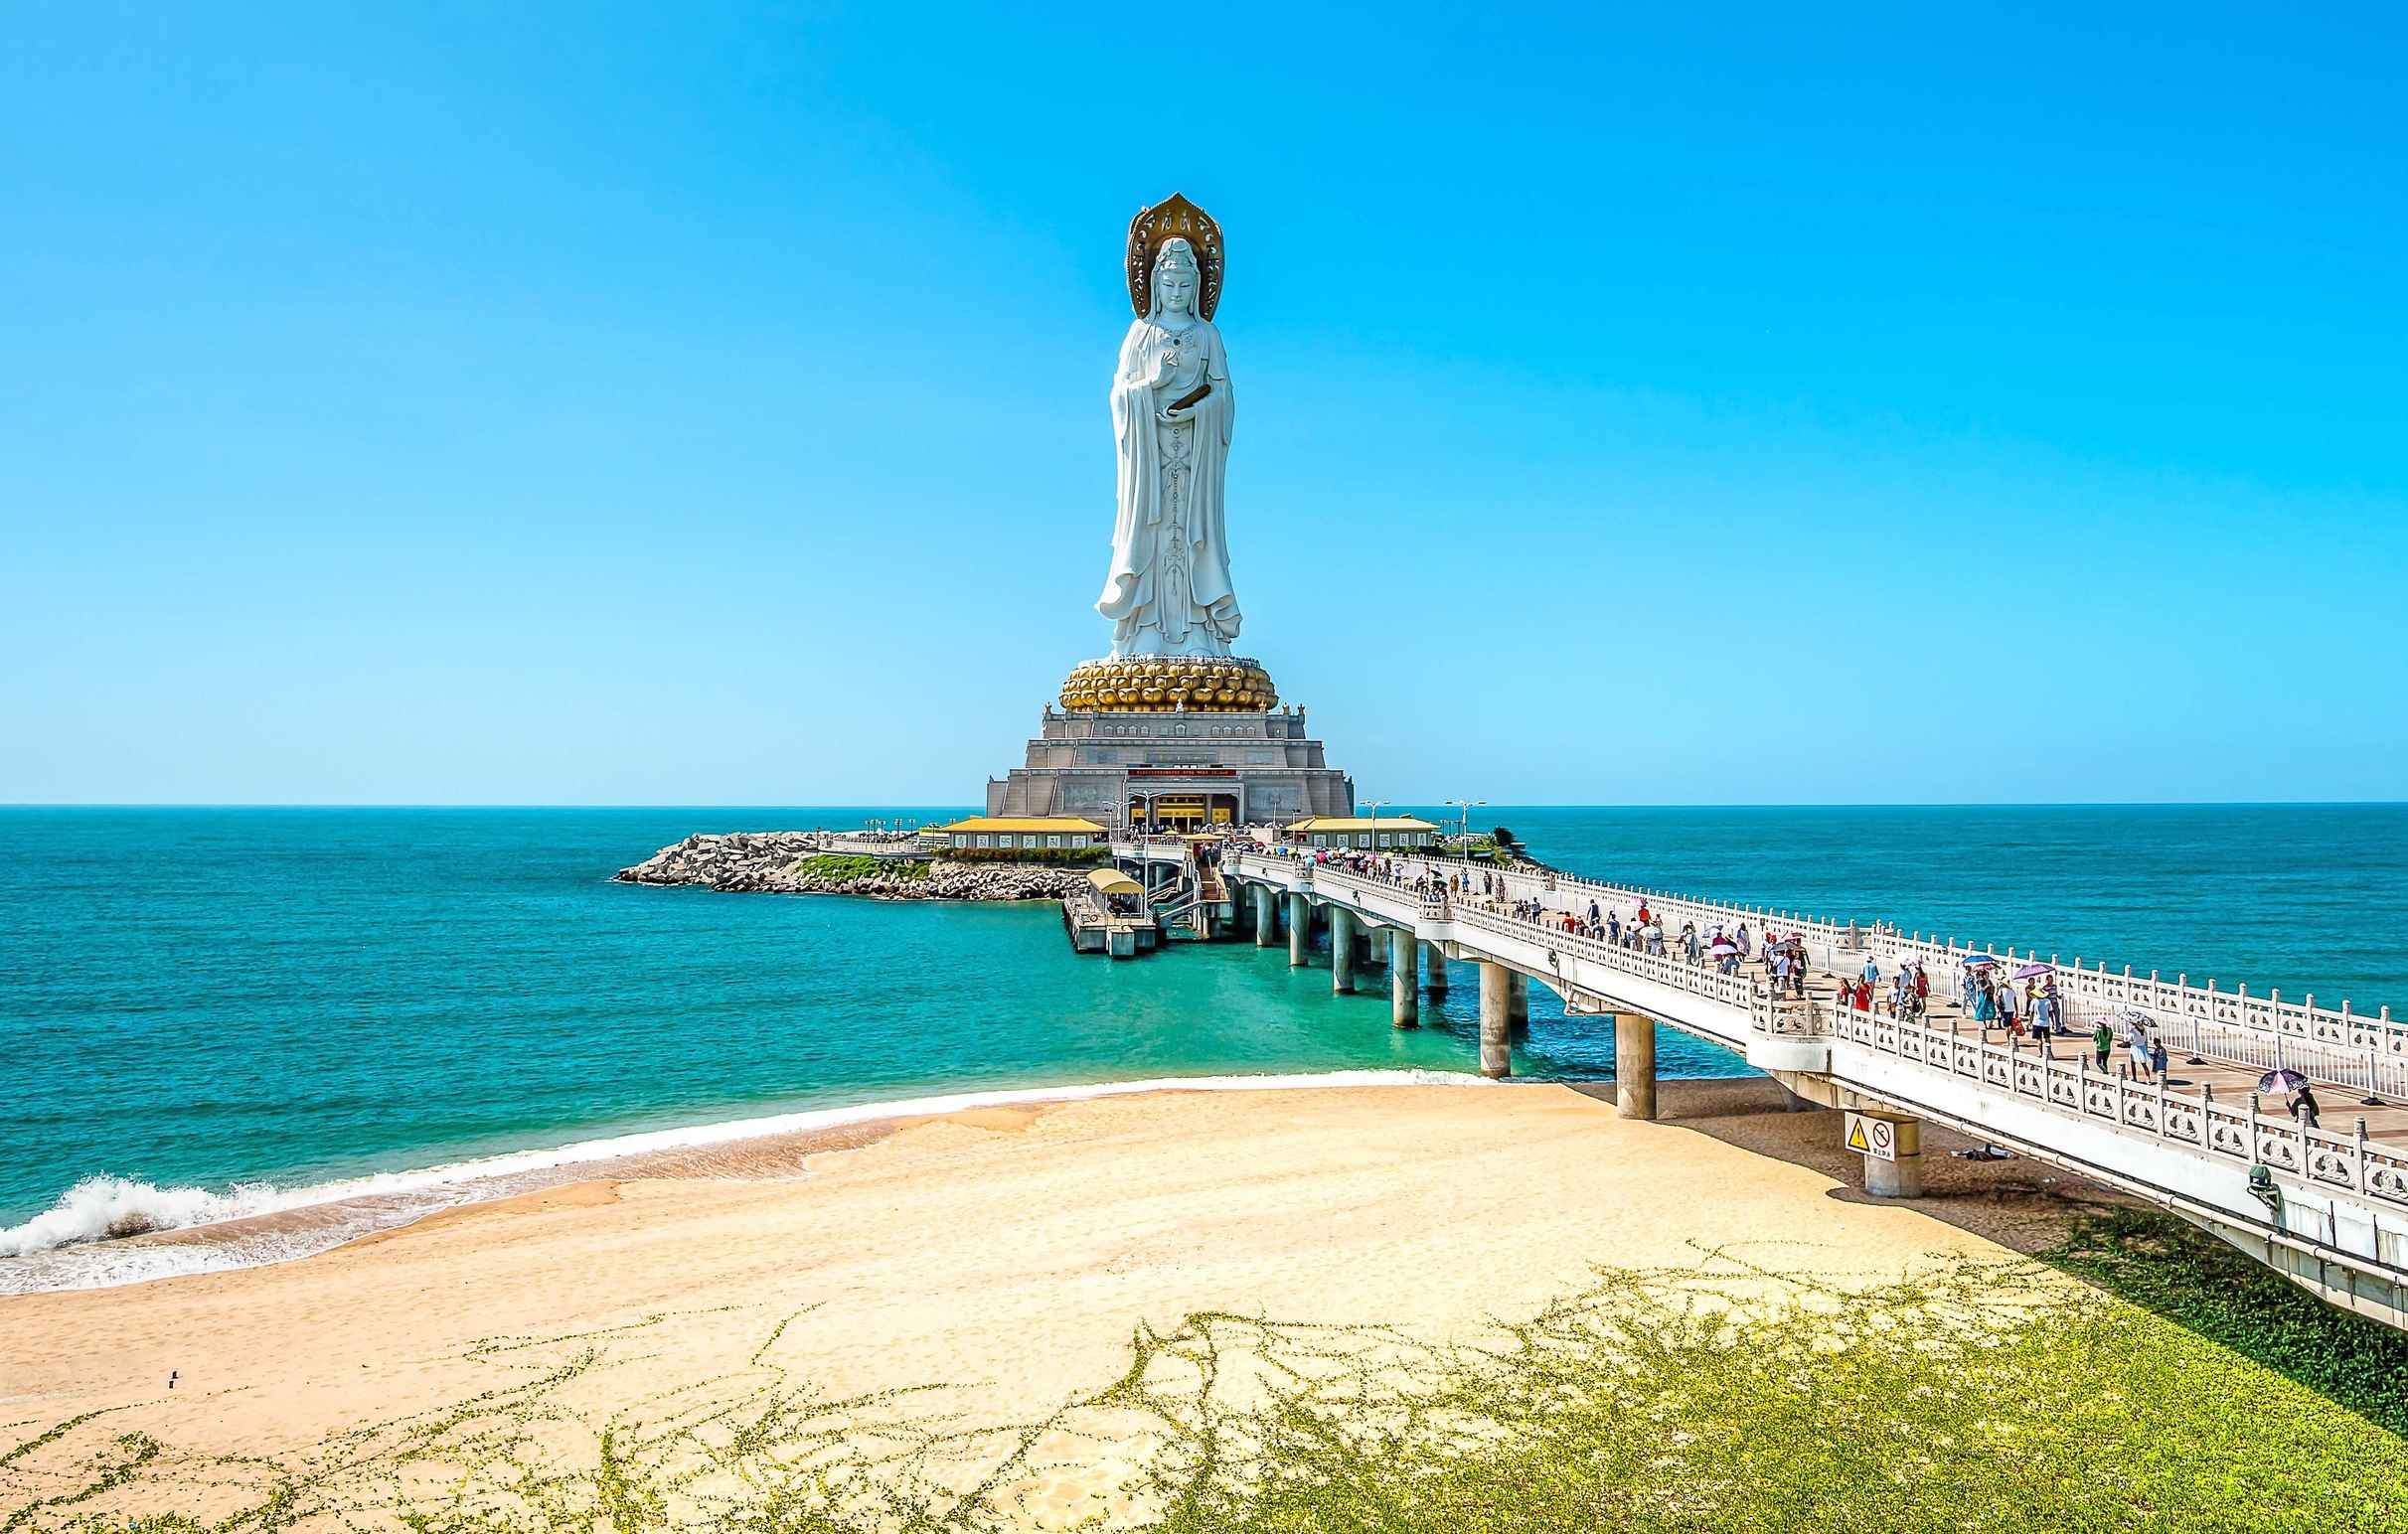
point(1108, 915)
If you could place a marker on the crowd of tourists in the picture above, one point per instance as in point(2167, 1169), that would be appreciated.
point(1995, 1000)
point(2024, 1003)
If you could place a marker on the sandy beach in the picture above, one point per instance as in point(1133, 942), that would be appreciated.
point(1008, 1256)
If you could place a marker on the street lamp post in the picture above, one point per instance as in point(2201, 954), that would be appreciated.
point(1466, 806)
point(1375, 803)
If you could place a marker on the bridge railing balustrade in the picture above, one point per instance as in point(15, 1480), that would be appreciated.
point(1671, 968)
point(1825, 940)
point(2343, 1047)
point(2340, 1047)
point(2241, 1135)
point(1665, 969)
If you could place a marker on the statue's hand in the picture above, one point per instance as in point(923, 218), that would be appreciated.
point(1174, 417)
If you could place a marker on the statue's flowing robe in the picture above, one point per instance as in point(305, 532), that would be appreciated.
point(1207, 618)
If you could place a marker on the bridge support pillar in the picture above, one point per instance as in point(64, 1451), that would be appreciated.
point(1341, 950)
point(1901, 1177)
point(1633, 1065)
point(1434, 958)
point(1404, 997)
point(1517, 1003)
point(1495, 1028)
point(1266, 917)
point(1300, 929)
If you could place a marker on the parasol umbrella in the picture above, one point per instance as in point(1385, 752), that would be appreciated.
point(2034, 971)
point(2282, 1081)
point(1977, 962)
point(2134, 1017)
point(1723, 948)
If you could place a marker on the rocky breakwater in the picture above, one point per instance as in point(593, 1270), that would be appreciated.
point(790, 862)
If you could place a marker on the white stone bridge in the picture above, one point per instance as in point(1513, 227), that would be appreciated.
point(2329, 1207)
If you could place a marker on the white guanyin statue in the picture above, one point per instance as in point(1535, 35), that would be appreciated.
point(1169, 592)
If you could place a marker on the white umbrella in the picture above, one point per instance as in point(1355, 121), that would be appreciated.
point(1724, 947)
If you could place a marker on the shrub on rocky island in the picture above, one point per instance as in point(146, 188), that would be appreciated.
point(828, 865)
point(790, 862)
point(1037, 857)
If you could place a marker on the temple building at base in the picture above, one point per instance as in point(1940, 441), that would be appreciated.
point(1025, 832)
point(1361, 834)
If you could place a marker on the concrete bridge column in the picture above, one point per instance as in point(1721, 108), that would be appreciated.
point(1901, 1177)
point(1300, 929)
point(1519, 1003)
point(1404, 999)
point(1633, 1065)
point(1341, 951)
point(1433, 958)
point(1266, 917)
point(1496, 1031)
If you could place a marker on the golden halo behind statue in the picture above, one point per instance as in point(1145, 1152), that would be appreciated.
point(1174, 218)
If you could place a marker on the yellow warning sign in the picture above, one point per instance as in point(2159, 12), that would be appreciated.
point(1877, 1138)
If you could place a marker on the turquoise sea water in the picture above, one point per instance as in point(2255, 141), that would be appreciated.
point(198, 998)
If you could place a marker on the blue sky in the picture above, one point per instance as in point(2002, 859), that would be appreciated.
point(691, 404)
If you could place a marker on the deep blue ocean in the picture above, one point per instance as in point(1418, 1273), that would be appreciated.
point(192, 998)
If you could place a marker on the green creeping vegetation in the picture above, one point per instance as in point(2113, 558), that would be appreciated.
point(830, 866)
point(1978, 1398)
point(1041, 856)
point(2219, 1295)
point(1731, 1394)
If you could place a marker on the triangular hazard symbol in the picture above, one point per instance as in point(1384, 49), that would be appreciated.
point(1855, 1134)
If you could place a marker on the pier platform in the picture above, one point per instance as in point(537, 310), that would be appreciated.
point(1108, 915)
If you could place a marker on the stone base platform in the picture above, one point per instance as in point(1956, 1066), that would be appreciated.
point(1178, 770)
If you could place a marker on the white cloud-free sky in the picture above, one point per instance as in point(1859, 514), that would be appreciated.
point(706, 403)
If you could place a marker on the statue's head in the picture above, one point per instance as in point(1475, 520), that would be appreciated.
point(1175, 277)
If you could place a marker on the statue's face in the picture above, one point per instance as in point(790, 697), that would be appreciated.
point(1176, 286)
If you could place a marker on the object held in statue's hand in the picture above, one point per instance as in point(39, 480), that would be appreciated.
point(1190, 398)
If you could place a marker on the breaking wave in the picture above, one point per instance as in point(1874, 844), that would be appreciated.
point(112, 1208)
point(107, 1230)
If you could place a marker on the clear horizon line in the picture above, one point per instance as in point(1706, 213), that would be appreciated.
point(1965, 804)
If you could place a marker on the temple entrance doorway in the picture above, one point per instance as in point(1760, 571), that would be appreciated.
point(1176, 813)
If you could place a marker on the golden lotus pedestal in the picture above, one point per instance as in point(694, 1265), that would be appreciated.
point(1172, 743)
point(1170, 684)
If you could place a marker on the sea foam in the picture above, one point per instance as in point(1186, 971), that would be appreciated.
point(104, 1230)
point(110, 1208)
